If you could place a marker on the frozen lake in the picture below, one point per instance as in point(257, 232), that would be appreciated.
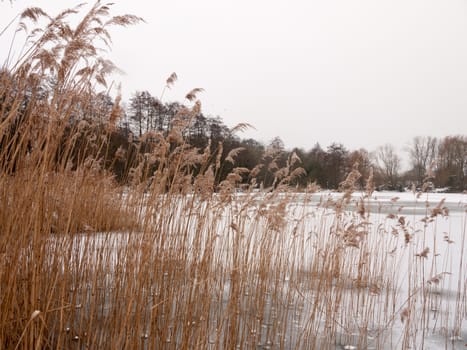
point(416, 245)
point(426, 254)
point(400, 280)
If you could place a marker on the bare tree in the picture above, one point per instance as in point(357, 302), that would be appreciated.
point(362, 157)
point(388, 164)
point(143, 110)
point(422, 151)
point(335, 164)
point(452, 162)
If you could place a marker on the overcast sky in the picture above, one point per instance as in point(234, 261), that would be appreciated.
point(359, 72)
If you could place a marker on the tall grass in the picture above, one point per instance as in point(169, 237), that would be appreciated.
point(174, 261)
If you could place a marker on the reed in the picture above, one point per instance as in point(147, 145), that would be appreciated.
point(176, 261)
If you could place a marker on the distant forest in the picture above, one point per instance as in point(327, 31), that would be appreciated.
point(131, 134)
point(440, 163)
point(124, 141)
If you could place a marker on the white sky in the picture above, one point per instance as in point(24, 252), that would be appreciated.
point(359, 72)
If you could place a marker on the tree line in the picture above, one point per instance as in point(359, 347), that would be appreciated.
point(434, 162)
point(132, 132)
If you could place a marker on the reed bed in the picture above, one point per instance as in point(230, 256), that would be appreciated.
point(174, 260)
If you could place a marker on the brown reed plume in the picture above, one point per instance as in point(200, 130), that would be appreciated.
point(171, 257)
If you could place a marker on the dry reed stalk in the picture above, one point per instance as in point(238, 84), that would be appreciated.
point(173, 260)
